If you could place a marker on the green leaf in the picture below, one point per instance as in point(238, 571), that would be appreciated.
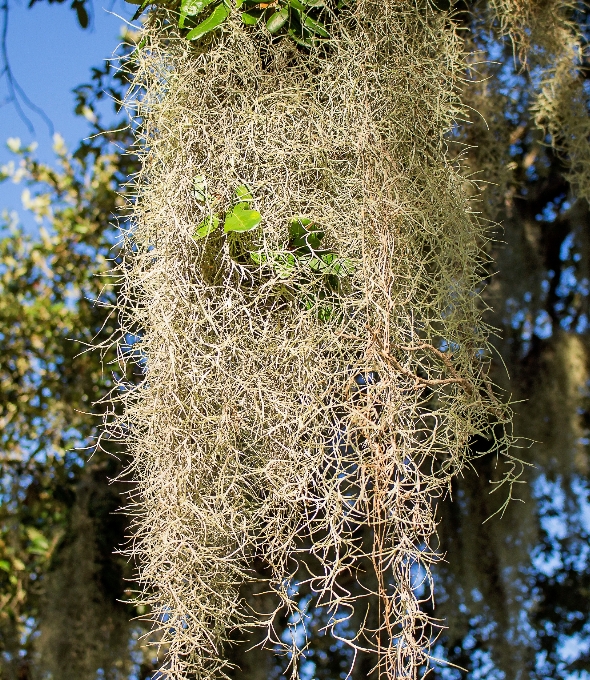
point(39, 544)
point(317, 265)
point(342, 266)
point(200, 188)
point(190, 8)
point(277, 20)
point(305, 235)
point(299, 38)
point(208, 225)
point(309, 25)
point(241, 219)
point(38, 548)
point(253, 17)
point(5, 565)
point(316, 27)
point(258, 257)
point(217, 17)
point(19, 565)
point(331, 264)
point(286, 263)
point(298, 226)
point(283, 263)
point(243, 195)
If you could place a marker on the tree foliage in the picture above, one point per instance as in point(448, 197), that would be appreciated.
point(60, 582)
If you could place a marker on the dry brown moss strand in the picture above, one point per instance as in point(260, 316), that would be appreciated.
point(289, 411)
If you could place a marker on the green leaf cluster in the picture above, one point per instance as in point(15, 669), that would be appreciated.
point(301, 20)
point(240, 218)
point(317, 273)
point(55, 295)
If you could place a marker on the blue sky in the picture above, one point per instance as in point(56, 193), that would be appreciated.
point(50, 54)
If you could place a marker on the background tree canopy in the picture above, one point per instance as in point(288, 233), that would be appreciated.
point(514, 590)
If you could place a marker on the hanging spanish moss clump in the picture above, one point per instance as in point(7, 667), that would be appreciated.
point(549, 43)
point(562, 113)
point(302, 280)
point(526, 111)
